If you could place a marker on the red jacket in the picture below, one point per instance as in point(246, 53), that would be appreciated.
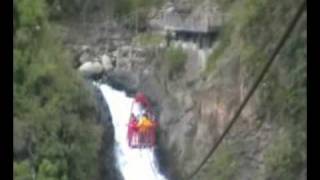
point(133, 124)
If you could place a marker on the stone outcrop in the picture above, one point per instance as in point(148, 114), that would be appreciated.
point(91, 68)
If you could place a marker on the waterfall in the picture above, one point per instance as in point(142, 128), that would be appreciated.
point(134, 164)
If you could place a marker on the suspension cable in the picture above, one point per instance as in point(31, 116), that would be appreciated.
point(254, 87)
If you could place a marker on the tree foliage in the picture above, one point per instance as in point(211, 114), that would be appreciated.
point(174, 61)
point(251, 31)
point(55, 135)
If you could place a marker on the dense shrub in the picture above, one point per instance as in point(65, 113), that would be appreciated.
point(251, 31)
point(55, 136)
point(174, 61)
point(223, 165)
point(148, 39)
point(285, 157)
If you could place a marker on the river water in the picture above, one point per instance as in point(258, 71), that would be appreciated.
point(134, 164)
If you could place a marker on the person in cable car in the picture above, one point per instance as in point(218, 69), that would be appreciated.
point(141, 126)
point(133, 131)
point(146, 131)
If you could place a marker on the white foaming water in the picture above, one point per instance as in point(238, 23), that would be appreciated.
point(134, 164)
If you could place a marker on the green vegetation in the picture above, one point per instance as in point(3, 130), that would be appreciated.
point(80, 9)
point(134, 13)
point(76, 9)
point(148, 39)
point(251, 28)
point(22, 170)
point(174, 61)
point(250, 33)
point(285, 96)
point(216, 54)
point(125, 7)
point(224, 163)
point(55, 136)
point(285, 156)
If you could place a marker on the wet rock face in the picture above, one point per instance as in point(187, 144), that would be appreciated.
point(122, 81)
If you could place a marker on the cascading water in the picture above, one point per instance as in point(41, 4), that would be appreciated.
point(134, 164)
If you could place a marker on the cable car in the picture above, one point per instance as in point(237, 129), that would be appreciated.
point(142, 124)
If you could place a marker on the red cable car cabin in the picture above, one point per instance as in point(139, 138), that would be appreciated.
point(140, 136)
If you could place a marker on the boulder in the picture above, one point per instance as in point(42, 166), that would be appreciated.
point(91, 68)
point(106, 62)
point(84, 48)
point(139, 52)
point(125, 51)
point(111, 48)
point(138, 59)
point(115, 53)
point(84, 57)
point(124, 62)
